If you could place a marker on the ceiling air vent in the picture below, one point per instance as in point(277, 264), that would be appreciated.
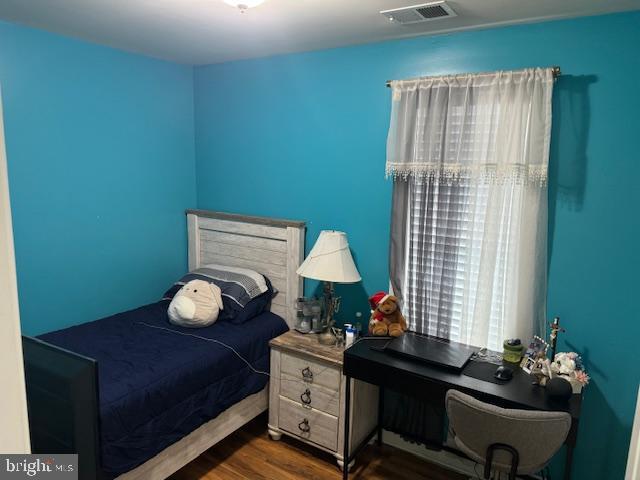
point(425, 12)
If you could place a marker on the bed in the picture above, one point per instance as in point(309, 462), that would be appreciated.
point(137, 397)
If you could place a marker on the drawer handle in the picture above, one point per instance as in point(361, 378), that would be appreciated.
point(304, 426)
point(307, 375)
point(306, 397)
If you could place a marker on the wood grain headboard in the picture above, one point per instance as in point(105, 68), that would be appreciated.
point(270, 246)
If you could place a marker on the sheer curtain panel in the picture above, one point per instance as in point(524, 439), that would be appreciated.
point(469, 156)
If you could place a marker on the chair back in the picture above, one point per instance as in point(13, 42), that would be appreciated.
point(535, 435)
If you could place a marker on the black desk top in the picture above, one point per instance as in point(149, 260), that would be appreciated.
point(407, 376)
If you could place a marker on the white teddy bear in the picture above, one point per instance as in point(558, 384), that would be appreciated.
point(197, 304)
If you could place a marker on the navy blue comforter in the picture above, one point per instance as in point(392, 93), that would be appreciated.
point(156, 385)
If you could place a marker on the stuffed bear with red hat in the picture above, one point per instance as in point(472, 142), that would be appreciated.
point(386, 318)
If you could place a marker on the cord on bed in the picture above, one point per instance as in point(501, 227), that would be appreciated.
point(208, 340)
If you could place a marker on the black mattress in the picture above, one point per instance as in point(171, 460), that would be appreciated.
point(156, 385)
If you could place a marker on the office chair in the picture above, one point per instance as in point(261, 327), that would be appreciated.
point(519, 442)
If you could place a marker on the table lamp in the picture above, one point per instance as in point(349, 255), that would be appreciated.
point(330, 261)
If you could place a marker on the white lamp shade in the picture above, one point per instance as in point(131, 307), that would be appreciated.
point(330, 259)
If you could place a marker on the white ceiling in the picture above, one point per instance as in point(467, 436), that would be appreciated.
point(210, 31)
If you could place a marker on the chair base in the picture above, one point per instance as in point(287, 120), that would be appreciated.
point(515, 459)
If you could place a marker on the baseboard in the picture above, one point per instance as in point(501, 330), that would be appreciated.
point(442, 458)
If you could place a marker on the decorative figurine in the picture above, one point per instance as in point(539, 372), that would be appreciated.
point(570, 366)
point(541, 370)
point(553, 337)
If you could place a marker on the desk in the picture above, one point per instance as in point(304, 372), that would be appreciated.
point(430, 383)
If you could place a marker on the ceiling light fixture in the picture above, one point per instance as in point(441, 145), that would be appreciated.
point(243, 5)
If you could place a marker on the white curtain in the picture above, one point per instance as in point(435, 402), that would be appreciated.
point(469, 157)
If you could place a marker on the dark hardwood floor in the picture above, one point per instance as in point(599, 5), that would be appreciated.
point(250, 454)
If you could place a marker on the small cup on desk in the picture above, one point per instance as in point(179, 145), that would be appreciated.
point(512, 350)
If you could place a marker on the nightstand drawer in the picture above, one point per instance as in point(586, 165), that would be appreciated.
point(309, 424)
point(310, 394)
point(310, 372)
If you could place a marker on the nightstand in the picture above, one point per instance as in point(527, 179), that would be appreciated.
point(307, 393)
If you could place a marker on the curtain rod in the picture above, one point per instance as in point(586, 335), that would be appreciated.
point(555, 70)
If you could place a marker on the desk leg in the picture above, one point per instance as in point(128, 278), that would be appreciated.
point(568, 462)
point(347, 411)
point(380, 413)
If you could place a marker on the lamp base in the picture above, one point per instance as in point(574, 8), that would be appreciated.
point(327, 337)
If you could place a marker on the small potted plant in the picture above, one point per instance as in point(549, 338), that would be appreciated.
point(569, 366)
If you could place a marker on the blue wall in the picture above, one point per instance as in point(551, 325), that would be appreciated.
point(303, 136)
point(100, 152)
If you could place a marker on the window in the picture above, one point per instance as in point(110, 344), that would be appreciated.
point(446, 237)
point(468, 242)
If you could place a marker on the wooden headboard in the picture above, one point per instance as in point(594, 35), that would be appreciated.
point(270, 246)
